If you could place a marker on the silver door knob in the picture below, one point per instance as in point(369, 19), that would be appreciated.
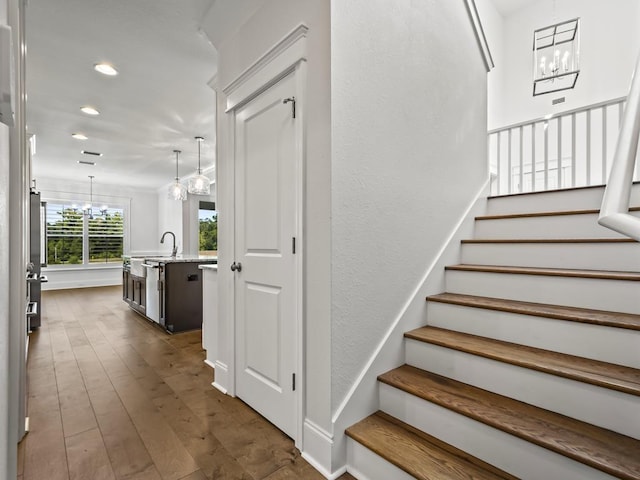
point(236, 267)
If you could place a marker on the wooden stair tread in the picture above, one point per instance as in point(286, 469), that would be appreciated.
point(545, 214)
point(597, 317)
point(605, 450)
point(547, 240)
point(557, 272)
point(602, 374)
point(417, 453)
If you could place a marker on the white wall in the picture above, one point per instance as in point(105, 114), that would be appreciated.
point(271, 21)
point(13, 216)
point(493, 26)
point(190, 221)
point(5, 280)
point(181, 218)
point(169, 220)
point(610, 43)
point(141, 223)
point(408, 157)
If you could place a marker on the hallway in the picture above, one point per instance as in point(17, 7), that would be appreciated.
point(112, 397)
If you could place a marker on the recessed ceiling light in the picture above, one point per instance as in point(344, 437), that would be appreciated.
point(79, 136)
point(105, 69)
point(95, 154)
point(90, 110)
point(85, 162)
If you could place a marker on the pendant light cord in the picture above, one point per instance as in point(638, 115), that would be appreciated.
point(199, 140)
point(177, 152)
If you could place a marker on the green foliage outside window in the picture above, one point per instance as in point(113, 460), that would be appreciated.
point(64, 235)
point(209, 234)
point(106, 237)
point(66, 230)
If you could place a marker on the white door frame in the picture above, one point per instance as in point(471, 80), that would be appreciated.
point(288, 56)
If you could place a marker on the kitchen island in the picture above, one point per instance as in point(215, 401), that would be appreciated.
point(172, 289)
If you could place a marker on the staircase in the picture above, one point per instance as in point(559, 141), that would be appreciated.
point(529, 365)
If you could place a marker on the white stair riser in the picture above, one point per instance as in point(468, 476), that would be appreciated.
point(366, 465)
point(505, 451)
point(543, 390)
point(599, 294)
point(554, 201)
point(623, 257)
point(562, 226)
point(585, 199)
point(607, 344)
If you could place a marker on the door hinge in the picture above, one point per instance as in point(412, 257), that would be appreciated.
point(293, 105)
point(293, 245)
point(293, 382)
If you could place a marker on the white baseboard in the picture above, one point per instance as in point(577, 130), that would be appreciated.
point(329, 476)
point(209, 363)
point(222, 376)
point(318, 448)
point(74, 284)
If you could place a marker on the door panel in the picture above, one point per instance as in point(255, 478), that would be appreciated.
point(262, 327)
point(265, 288)
point(262, 202)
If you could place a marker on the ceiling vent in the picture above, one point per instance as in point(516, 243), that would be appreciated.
point(95, 154)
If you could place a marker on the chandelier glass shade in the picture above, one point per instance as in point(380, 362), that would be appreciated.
point(177, 191)
point(199, 184)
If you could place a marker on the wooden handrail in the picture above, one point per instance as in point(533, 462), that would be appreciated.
point(614, 212)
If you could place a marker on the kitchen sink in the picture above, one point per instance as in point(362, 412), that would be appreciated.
point(136, 267)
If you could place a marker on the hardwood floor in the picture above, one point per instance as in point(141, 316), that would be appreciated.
point(113, 397)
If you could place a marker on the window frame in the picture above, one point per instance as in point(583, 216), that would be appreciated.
point(114, 202)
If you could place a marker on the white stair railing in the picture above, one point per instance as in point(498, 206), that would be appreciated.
point(566, 150)
point(614, 212)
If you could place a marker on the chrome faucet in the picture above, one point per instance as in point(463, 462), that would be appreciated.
point(174, 249)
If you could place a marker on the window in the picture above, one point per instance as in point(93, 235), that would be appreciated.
point(73, 238)
point(208, 228)
point(106, 236)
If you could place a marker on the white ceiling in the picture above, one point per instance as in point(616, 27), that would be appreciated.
point(159, 101)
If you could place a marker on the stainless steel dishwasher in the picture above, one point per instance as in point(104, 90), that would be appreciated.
point(153, 290)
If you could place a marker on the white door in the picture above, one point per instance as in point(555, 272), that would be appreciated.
point(265, 224)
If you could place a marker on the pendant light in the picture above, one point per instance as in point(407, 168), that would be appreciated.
point(199, 184)
point(177, 190)
point(87, 208)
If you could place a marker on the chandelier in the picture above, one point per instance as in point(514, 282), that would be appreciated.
point(556, 57)
point(87, 208)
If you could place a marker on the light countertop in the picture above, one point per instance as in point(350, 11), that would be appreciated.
point(209, 266)
point(183, 259)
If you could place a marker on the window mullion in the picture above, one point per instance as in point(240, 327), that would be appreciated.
point(85, 239)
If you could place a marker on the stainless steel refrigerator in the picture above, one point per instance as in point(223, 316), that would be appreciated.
point(37, 222)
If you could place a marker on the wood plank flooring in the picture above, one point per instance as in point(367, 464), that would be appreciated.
point(112, 397)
